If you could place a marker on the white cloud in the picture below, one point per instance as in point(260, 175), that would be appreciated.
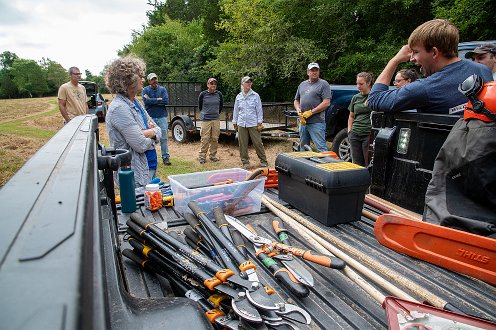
point(86, 34)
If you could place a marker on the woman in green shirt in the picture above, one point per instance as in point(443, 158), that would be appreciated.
point(359, 125)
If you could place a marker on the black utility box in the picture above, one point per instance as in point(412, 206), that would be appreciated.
point(327, 189)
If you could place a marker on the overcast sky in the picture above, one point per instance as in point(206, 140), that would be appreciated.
point(84, 33)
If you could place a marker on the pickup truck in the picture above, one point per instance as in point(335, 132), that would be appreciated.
point(62, 266)
point(97, 105)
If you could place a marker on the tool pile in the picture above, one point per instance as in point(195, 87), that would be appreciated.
point(212, 268)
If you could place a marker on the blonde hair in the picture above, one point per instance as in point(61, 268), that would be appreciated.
point(367, 76)
point(123, 73)
point(438, 33)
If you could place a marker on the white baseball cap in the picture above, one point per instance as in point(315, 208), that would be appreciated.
point(313, 65)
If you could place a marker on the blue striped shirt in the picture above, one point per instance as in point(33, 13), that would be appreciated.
point(125, 127)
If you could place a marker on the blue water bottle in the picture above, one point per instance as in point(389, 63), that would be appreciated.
point(126, 188)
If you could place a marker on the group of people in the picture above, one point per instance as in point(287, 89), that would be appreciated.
point(432, 47)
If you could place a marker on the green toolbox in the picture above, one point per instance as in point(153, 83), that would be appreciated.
point(327, 189)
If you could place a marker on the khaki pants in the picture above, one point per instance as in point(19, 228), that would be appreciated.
point(244, 133)
point(209, 133)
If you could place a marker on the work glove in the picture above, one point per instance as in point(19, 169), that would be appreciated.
point(235, 127)
point(260, 127)
point(307, 114)
point(303, 121)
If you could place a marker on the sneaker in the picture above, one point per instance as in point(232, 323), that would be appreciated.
point(167, 161)
point(214, 159)
point(202, 160)
point(263, 165)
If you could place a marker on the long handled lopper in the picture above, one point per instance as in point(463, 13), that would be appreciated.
point(239, 302)
point(294, 265)
point(256, 294)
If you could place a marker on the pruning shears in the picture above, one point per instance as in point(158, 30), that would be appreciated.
point(267, 244)
point(294, 265)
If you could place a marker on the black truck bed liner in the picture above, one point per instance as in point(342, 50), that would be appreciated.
point(335, 301)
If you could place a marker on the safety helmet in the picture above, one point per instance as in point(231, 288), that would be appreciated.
point(482, 99)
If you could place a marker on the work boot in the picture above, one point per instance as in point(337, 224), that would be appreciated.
point(202, 160)
point(263, 164)
point(167, 161)
point(214, 159)
point(246, 165)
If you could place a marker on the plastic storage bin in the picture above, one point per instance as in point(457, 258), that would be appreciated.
point(207, 189)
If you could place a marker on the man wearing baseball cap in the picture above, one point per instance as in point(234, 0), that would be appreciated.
point(156, 99)
point(312, 98)
point(485, 54)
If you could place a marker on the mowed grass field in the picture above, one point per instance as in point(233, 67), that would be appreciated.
point(27, 124)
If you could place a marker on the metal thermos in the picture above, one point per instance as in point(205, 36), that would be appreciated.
point(126, 187)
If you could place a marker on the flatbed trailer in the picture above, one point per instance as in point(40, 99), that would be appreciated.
point(62, 267)
point(279, 121)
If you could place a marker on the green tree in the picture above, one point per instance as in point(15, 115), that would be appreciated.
point(6, 59)
point(56, 75)
point(8, 88)
point(260, 43)
point(173, 50)
point(96, 79)
point(29, 77)
point(474, 19)
point(182, 10)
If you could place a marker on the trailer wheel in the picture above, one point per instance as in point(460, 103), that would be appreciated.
point(341, 145)
point(179, 132)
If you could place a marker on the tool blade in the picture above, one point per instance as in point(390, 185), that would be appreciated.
point(296, 267)
point(294, 313)
point(245, 310)
point(239, 226)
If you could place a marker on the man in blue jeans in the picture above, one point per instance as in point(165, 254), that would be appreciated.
point(156, 99)
point(312, 98)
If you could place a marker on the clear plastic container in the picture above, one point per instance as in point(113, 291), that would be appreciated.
point(153, 197)
point(236, 198)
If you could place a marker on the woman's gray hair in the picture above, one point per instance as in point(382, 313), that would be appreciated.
point(123, 73)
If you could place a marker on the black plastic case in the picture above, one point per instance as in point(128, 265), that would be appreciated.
point(329, 190)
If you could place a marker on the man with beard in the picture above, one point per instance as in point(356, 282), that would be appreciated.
point(433, 46)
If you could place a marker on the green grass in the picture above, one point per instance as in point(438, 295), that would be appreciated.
point(18, 126)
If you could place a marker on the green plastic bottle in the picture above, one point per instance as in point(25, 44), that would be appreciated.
point(126, 188)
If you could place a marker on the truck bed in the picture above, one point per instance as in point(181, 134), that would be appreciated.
point(335, 301)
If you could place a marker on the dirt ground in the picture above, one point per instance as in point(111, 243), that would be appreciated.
point(228, 151)
point(17, 146)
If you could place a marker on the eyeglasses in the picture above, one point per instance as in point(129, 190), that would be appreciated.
point(77, 73)
point(397, 81)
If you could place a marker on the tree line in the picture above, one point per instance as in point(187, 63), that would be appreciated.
point(270, 40)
